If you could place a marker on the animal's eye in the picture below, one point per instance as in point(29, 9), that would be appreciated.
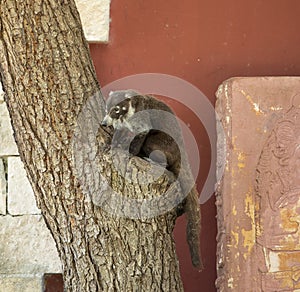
point(117, 109)
point(124, 108)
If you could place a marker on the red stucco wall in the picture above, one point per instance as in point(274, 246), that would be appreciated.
point(203, 42)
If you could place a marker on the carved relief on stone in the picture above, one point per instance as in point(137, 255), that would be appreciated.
point(278, 205)
point(258, 198)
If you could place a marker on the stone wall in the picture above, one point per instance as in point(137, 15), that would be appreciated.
point(258, 198)
point(27, 250)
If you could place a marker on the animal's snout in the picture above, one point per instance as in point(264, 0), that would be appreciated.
point(107, 121)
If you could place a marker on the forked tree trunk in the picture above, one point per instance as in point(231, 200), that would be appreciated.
point(55, 106)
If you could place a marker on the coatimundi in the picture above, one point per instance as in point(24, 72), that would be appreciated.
point(152, 142)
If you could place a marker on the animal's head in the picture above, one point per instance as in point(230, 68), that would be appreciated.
point(119, 109)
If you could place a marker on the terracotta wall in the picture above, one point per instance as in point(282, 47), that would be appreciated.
point(203, 42)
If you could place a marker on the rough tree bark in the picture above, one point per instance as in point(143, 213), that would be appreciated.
point(49, 79)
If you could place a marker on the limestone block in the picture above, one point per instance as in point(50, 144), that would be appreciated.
point(20, 198)
point(26, 246)
point(94, 16)
point(258, 198)
point(2, 188)
point(7, 143)
point(24, 283)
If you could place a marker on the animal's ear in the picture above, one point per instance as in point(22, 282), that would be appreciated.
point(137, 102)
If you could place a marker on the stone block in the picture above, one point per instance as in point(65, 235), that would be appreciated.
point(258, 198)
point(95, 20)
point(26, 246)
point(2, 188)
point(24, 283)
point(7, 143)
point(20, 199)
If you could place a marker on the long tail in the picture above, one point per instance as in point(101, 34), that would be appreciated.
point(193, 215)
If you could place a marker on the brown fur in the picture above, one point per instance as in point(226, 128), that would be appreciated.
point(145, 143)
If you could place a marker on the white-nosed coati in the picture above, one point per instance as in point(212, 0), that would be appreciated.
point(151, 141)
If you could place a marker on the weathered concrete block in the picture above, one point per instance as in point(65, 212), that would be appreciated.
point(94, 16)
point(7, 142)
point(2, 188)
point(20, 199)
point(259, 197)
point(24, 283)
point(26, 246)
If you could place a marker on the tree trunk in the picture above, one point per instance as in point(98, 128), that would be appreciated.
point(105, 243)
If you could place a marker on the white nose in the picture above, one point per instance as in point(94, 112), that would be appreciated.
point(107, 121)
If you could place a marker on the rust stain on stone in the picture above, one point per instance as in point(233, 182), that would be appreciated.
point(241, 160)
point(276, 108)
point(248, 242)
point(235, 235)
point(249, 234)
point(234, 211)
point(255, 106)
point(289, 222)
point(230, 283)
point(250, 208)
